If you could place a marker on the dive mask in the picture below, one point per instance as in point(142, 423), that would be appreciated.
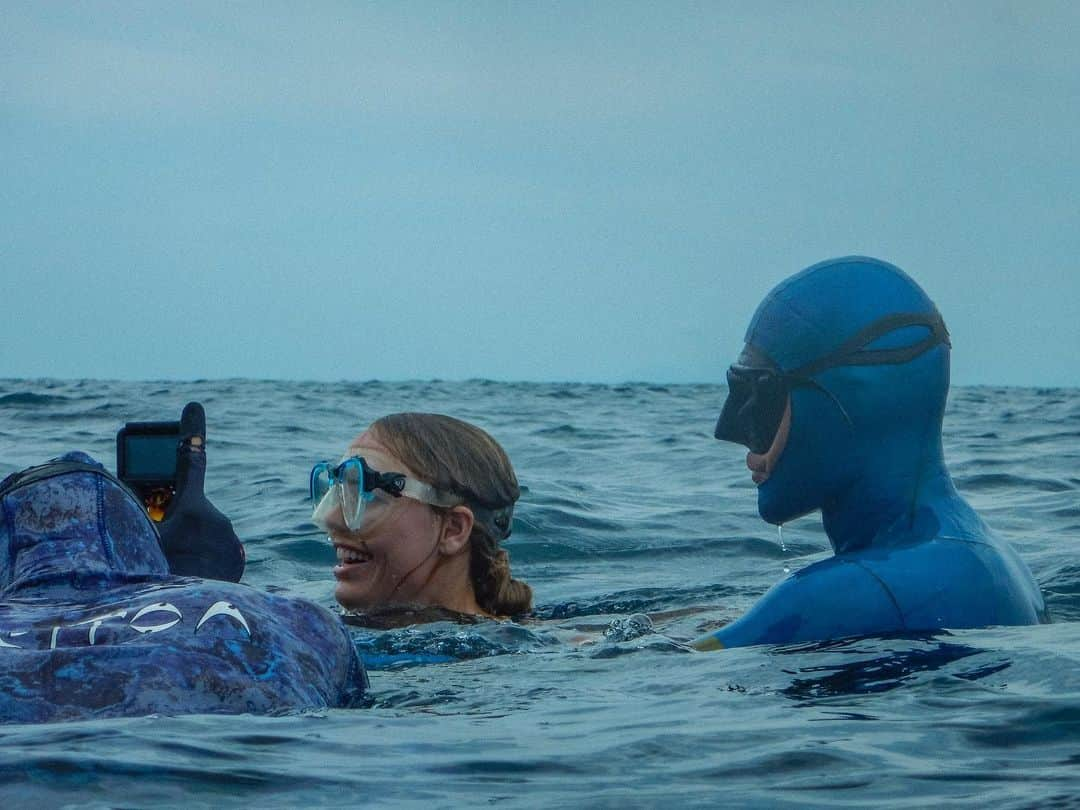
point(757, 397)
point(758, 389)
point(351, 485)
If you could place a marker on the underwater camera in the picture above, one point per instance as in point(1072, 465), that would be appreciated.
point(146, 462)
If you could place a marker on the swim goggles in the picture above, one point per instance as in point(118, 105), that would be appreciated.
point(352, 484)
point(758, 389)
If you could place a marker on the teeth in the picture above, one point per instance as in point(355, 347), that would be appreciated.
point(351, 555)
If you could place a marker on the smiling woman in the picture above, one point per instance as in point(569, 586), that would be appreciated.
point(416, 511)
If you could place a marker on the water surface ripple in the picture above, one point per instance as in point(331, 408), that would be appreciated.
point(638, 531)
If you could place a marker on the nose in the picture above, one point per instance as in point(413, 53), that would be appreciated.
point(758, 464)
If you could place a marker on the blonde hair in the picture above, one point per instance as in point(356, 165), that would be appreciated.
point(457, 457)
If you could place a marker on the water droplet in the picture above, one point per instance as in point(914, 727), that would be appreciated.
point(783, 545)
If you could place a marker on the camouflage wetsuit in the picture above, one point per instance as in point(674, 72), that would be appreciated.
point(92, 624)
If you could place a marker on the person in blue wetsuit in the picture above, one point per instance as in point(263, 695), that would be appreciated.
point(93, 624)
point(839, 395)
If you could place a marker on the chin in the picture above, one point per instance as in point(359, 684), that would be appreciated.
point(776, 504)
point(768, 512)
point(349, 600)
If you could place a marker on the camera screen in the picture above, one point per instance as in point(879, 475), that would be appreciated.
point(150, 457)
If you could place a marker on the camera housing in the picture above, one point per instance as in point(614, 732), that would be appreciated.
point(146, 462)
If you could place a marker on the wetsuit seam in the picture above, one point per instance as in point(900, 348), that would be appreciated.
point(971, 541)
point(9, 526)
point(888, 592)
point(103, 530)
point(356, 675)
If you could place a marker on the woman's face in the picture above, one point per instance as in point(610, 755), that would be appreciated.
point(394, 557)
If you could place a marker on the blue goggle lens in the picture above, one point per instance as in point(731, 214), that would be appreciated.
point(354, 484)
point(321, 480)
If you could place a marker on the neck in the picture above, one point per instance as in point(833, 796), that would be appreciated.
point(448, 586)
point(461, 600)
point(884, 501)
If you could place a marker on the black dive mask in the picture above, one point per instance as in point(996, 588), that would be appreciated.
point(758, 389)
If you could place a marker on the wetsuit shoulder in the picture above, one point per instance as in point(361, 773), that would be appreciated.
point(342, 662)
point(959, 582)
point(834, 598)
point(185, 646)
point(306, 641)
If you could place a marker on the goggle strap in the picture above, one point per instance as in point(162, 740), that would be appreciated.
point(498, 522)
point(425, 493)
point(52, 469)
point(852, 352)
point(392, 483)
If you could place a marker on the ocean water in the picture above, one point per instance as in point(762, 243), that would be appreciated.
point(630, 510)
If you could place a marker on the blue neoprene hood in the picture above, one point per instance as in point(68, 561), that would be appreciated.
point(92, 624)
point(884, 427)
point(865, 448)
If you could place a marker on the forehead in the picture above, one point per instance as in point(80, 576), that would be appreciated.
point(377, 455)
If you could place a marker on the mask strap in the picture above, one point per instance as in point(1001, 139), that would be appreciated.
point(498, 522)
point(51, 469)
point(398, 484)
point(852, 352)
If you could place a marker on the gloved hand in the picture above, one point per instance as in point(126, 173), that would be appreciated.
point(197, 539)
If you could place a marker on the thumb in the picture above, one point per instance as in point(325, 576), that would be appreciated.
point(191, 452)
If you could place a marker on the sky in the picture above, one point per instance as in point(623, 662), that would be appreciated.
point(556, 191)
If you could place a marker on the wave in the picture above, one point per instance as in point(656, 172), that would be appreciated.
point(31, 398)
point(990, 481)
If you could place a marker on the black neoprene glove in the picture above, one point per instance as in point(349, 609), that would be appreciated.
point(197, 539)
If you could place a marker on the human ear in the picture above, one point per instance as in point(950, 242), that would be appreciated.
point(457, 526)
